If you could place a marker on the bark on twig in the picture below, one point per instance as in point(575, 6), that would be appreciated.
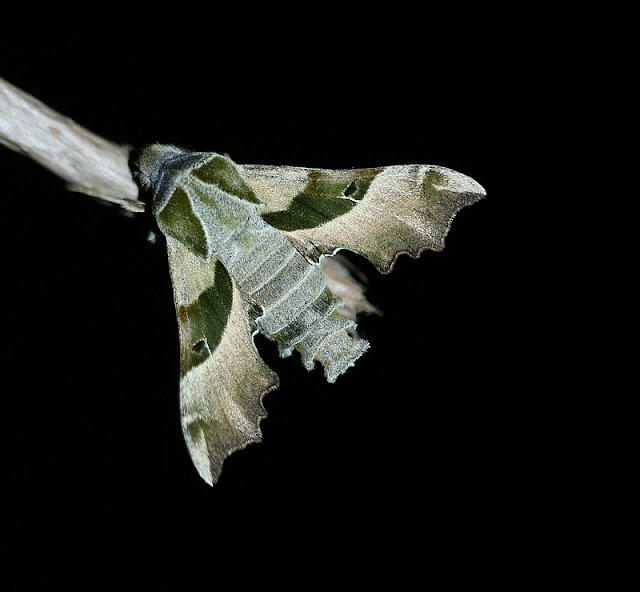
point(88, 163)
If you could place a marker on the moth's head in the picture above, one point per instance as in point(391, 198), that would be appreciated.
point(151, 162)
point(157, 167)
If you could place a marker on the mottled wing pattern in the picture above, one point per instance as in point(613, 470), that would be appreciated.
point(223, 378)
point(378, 213)
point(242, 240)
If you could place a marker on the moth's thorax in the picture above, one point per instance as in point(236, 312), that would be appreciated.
point(201, 200)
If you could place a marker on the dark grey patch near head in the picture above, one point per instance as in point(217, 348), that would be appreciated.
point(167, 174)
point(159, 166)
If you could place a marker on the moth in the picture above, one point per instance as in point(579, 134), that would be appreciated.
point(244, 244)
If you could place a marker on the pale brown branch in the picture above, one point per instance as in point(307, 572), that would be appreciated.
point(347, 283)
point(95, 166)
point(88, 163)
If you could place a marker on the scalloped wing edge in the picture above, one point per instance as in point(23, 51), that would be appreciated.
point(221, 397)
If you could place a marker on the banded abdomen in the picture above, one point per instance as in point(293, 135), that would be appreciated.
point(299, 311)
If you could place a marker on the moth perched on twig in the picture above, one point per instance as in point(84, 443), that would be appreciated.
point(244, 243)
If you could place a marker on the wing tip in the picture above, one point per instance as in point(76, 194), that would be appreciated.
point(211, 470)
point(438, 242)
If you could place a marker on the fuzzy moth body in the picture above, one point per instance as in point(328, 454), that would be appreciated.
point(244, 244)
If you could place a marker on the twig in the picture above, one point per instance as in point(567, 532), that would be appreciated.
point(92, 165)
point(88, 163)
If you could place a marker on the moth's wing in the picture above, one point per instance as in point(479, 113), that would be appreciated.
point(222, 377)
point(378, 213)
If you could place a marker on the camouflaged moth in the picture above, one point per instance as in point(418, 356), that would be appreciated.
point(244, 242)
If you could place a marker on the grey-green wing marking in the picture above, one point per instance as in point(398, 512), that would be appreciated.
point(220, 400)
point(378, 213)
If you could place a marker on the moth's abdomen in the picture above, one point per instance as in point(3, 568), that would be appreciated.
point(320, 333)
point(299, 312)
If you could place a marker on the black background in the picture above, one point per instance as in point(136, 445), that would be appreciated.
point(471, 440)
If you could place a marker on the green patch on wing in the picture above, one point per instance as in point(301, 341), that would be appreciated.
point(206, 319)
point(200, 429)
point(438, 198)
point(178, 220)
point(324, 198)
point(221, 171)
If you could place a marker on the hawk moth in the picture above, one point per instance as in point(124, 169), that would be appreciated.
point(244, 244)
